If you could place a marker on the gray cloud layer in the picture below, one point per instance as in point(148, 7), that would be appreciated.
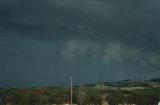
point(96, 30)
point(132, 23)
point(127, 21)
point(131, 20)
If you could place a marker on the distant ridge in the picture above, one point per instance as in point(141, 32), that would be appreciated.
point(155, 80)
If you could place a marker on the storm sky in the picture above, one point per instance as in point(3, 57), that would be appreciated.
point(44, 42)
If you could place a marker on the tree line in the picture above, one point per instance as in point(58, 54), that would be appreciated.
point(81, 96)
point(138, 97)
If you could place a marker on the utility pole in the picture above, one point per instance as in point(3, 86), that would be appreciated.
point(71, 91)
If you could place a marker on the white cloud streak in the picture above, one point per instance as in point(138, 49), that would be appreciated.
point(107, 52)
point(118, 52)
point(75, 49)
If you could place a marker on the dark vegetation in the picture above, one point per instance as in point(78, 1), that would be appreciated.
point(49, 96)
point(138, 97)
point(88, 94)
point(81, 96)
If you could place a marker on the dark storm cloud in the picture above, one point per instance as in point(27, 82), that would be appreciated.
point(134, 23)
point(92, 35)
point(96, 19)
